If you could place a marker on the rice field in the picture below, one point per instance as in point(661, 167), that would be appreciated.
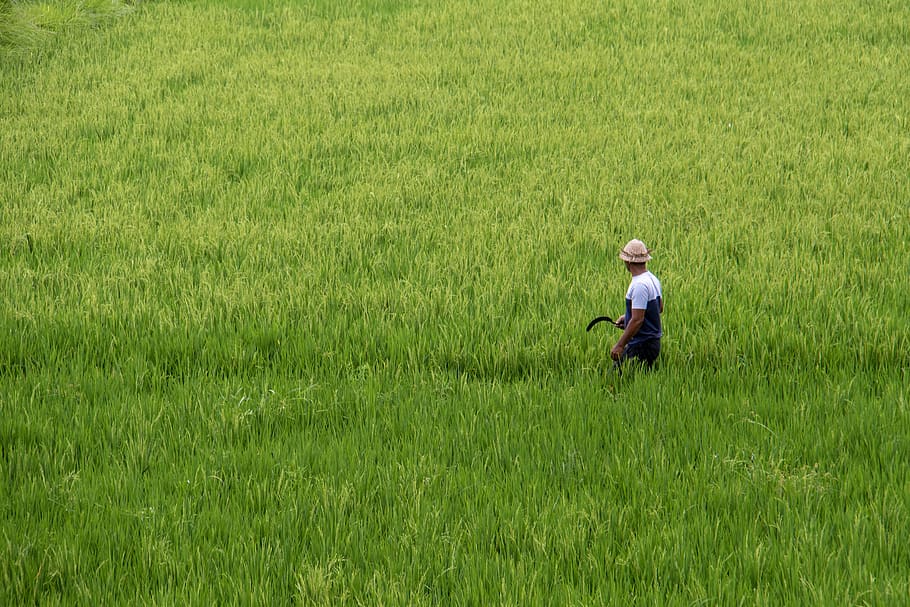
point(295, 295)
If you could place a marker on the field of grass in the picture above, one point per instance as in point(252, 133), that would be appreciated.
point(294, 297)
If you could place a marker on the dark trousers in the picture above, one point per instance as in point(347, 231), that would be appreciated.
point(644, 352)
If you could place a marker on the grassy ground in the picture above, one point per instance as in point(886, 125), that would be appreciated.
point(295, 296)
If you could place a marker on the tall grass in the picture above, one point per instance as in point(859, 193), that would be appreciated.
point(295, 296)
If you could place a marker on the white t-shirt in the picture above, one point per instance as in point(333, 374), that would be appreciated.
point(645, 294)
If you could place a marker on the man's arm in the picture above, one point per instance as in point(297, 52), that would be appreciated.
point(638, 318)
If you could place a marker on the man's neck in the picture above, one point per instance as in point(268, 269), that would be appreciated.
point(637, 269)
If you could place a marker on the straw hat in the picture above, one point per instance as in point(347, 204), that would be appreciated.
point(635, 251)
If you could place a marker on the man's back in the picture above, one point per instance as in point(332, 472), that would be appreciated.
point(645, 294)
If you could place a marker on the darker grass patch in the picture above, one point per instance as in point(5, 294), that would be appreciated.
point(509, 367)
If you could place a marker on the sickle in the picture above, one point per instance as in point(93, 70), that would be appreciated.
point(600, 319)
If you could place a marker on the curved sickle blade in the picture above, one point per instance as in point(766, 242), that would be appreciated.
point(599, 319)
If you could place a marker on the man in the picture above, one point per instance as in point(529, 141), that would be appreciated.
point(640, 338)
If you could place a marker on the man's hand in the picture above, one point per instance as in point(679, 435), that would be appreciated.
point(616, 352)
point(621, 322)
point(638, 317)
